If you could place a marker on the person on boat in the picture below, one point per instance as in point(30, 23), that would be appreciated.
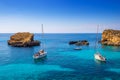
point(36, 54)
point(41, 51)
point(100, 56)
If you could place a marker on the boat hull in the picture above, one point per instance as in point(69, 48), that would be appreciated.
point(40, 56)
point(99, 57)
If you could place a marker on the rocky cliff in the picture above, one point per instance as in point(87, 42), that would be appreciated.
point(24, 39)
point(111, 37)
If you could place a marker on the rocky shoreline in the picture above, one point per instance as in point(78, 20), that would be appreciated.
point(23, 39)
point(111, 37)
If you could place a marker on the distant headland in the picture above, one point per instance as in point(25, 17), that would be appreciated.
point(111, 37)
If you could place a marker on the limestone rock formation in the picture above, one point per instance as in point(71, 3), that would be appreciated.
point(24, 39)
point(111, 37)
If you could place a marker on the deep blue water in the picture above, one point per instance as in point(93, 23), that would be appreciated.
point(62, 61)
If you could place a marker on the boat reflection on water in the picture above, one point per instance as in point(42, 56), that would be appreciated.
point(41, 60)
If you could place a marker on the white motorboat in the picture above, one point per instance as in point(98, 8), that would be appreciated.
point(99, 57)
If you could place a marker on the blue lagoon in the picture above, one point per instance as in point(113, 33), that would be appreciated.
point(62, 61)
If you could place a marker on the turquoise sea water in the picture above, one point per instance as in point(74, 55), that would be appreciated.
point(62, 61)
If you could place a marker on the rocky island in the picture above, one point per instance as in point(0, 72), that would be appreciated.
point(23, 39)
point(111, 37)
point(79, 43)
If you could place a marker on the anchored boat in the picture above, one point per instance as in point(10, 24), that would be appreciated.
point(41, 53)
point(97, 55)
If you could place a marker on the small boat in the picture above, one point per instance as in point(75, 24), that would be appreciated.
point(99, 57)
point(40, 54)
point(77, 48)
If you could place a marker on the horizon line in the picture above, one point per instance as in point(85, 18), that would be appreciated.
point(48, 33)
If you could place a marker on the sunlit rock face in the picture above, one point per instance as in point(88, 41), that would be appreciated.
point(111, 37)
point(23, 39)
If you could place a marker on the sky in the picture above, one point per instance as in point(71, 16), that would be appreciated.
point(59, 16)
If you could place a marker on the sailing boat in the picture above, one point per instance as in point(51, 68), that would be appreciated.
point(41, 53)
point(97, 55)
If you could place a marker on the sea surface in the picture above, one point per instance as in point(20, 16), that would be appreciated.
point(62, 61)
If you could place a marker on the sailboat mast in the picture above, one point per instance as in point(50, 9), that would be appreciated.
point(97, 37)
point(43, 45)
point(42, 31)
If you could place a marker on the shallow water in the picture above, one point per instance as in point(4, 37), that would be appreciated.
point(62, 61)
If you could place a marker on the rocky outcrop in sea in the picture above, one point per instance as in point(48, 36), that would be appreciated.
point(111, 37)
point(79, 43)
point(23, 39)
